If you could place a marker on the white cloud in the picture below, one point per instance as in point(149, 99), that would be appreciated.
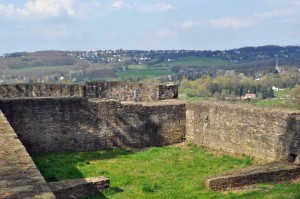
point(221, 23)
point(280, 3)
point(280, 10)
point(79, 9)
point(188, 24)
point(273, 14)
point(156, 7)
point(166, 33)
point(40, 9)
point(229, 23)
point(138, 6)
point(116, 5)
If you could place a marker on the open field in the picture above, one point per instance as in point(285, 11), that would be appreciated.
point(137, 67)
point(276, 103)
point(196, 62)
point(131, 73)
point(282, 100)
point(158, 172)
point(42, 70)
point(148, 73)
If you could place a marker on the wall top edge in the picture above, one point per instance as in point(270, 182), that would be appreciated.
point(244, 107)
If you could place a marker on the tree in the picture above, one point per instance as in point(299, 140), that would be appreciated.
point(295, 93)
point(267, 92)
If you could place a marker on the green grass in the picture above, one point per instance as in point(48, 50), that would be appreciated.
point(137, 67)
point(282, 100)
point(276, 103)
point(282, 93)
point(158, 172)
point(196, 62)
point(133, 73)
point(42, 68)
point(148, 73)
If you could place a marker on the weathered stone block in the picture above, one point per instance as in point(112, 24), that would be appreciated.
point(269, 173)
point(78, 187)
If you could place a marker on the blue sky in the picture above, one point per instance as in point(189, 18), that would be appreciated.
point(32, 25)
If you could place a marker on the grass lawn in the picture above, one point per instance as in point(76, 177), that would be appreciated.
point(158, 172)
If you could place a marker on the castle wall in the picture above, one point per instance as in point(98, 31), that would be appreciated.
point(92, 122)
point(130, 91)
point(102, 90)
point(121, 90)
point(19, 177)
point(40, 90)
point(262, 133)
point(59, 124)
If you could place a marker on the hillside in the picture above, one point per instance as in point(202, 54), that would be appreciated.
point(135, 65)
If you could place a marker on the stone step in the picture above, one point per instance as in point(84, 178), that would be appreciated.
point(79, 187)
point(268, 173)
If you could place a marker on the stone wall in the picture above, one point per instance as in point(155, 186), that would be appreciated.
point(276, 172)
point(40, 90)
point(59, 124)
point(19, 177)
point(263, 133)
point(130, 91)
point(104, 90)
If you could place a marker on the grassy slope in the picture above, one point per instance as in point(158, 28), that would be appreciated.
point(135, 71)
point(161, 69)
point(165, 172)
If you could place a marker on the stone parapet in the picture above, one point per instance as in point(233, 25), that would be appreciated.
point(262, 133)
point(121, 91)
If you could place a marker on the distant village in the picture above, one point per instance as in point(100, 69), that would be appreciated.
point(153, 56)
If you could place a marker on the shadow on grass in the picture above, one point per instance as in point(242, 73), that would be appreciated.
point(102, 194)
point(64, 165)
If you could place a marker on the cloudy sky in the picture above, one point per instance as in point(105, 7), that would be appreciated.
point(31, 25)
